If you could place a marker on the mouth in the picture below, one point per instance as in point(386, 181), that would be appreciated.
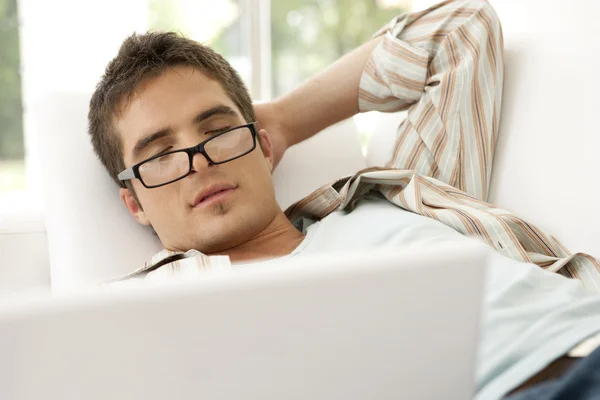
point(213, 195)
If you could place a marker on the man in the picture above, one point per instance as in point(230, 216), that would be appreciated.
point(174, 125)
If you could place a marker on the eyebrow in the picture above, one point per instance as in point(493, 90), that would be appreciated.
point(218, 110)
point(146, 141)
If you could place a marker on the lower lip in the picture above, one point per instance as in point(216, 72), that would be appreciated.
point(215, 198)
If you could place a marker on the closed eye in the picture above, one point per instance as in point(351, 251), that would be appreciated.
point(162, 152)
point(217, 131)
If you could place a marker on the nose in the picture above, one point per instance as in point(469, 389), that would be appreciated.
point(199, 162)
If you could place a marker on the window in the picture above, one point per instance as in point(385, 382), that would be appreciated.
point(218, 24)
point(12, 147)
point(308, 35)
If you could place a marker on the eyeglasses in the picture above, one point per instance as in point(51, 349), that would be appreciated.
point(169, 167)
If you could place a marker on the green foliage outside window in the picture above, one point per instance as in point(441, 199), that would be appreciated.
point(12, 147)
point(308, 35)
point(11, 110)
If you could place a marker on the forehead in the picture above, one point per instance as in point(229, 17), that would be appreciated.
point(170, 99)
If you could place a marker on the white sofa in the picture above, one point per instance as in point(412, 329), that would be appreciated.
point(23, 248)
point(544, 169)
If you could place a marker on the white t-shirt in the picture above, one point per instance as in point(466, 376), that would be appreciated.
point(531, 316)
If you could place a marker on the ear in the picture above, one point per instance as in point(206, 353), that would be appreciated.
point(133, 206)
point(267, 148)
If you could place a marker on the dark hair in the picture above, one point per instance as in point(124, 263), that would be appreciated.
point(148, 55)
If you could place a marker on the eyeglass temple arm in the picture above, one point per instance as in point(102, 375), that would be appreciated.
point(126, 174)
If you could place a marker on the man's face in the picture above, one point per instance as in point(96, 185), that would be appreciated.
point(177, 105)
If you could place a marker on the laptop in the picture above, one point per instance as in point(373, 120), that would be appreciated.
point(378, 325)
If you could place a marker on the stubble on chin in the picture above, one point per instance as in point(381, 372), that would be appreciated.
point(219, 209)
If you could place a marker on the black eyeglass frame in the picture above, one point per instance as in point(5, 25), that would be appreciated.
point(133, 172)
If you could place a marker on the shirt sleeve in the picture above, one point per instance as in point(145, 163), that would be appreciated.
point(445, 66)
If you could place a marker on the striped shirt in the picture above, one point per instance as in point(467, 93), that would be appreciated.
point(445, 66)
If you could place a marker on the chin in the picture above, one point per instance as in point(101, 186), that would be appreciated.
point(219, 243)
point(221, 233)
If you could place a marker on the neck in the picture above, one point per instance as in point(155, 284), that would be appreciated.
point(278, 239)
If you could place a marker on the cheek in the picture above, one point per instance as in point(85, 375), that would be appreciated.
point(262, 193)
point(160, 203)
point(256, 173)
